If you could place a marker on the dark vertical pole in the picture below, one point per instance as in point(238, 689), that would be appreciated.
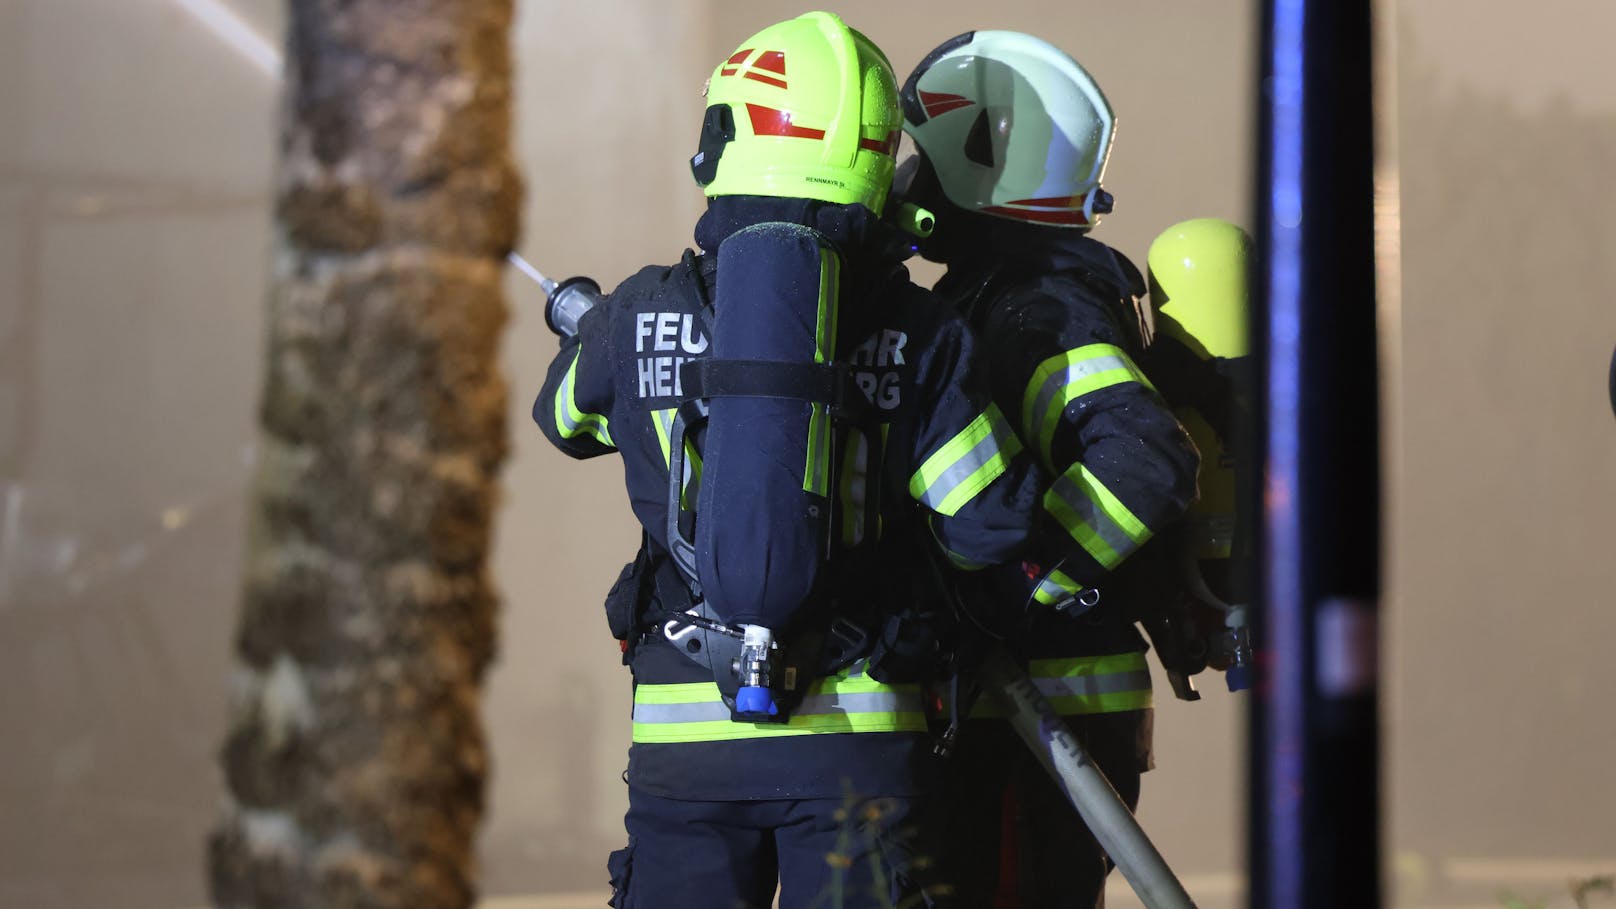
point(1613, 382)
point(1314, 740)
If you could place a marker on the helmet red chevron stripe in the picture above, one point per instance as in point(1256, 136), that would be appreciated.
point(887, 146)
point(769, 121)
point(735, 60)
point(1065, 216)
point(773, 61)
point(1053, 202)
point(766, 80)
point(941, 102)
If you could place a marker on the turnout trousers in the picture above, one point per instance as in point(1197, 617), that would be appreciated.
point(845, 853)
point(1012, 839)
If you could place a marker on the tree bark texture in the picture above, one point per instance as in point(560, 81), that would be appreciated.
point(355, 758)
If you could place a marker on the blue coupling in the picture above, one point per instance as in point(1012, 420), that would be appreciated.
point(755, 701)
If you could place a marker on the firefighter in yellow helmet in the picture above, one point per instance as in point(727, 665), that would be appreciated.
point(1199, 276)
point(795, 419)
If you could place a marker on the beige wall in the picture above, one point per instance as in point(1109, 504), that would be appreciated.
point(1501, 738)
point(135, 152)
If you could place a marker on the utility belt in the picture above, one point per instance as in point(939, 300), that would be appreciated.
point(889, 646)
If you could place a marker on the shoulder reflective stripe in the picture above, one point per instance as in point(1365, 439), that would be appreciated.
point(855, 486)
point(1056, 586)
point(662, 420)
point(1081, 685)
point(694, 712)
point(572, 422)
point(816, 468)
point(1065, 377)
point(966, 464)
point(1094, 517)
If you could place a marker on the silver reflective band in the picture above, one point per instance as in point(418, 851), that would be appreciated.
point(664, 426)
point(1074, 372)
point(812, 705)
point(1058, 584)
point(1111, 683)
point(1057, 588)
point(702, 712)
point(1101, 523)
point(866, 702)
point(991, 446)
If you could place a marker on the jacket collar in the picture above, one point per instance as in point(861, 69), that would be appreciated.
point(976, 247)
point(868, 245)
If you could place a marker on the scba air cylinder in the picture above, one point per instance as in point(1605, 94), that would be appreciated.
point(762, 511)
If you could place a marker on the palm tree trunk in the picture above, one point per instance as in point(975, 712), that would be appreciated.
point(355, 757)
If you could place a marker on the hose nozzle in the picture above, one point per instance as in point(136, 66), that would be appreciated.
point(565, 303)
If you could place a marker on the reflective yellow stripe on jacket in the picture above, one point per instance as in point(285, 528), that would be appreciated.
point(572, 422)
point(1056, 587)
point(1094, 517)
point(690, 488)
point(965, 464)
point(1080, 685)
point(846, 702)
point(1062, 379)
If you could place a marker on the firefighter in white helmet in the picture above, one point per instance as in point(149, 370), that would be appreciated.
point(1013, 137)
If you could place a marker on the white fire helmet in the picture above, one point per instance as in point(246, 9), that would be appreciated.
point(1014, 127)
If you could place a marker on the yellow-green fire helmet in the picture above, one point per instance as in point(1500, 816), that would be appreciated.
point(1199, 285)
point(806, 108)
point(1200, 291)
